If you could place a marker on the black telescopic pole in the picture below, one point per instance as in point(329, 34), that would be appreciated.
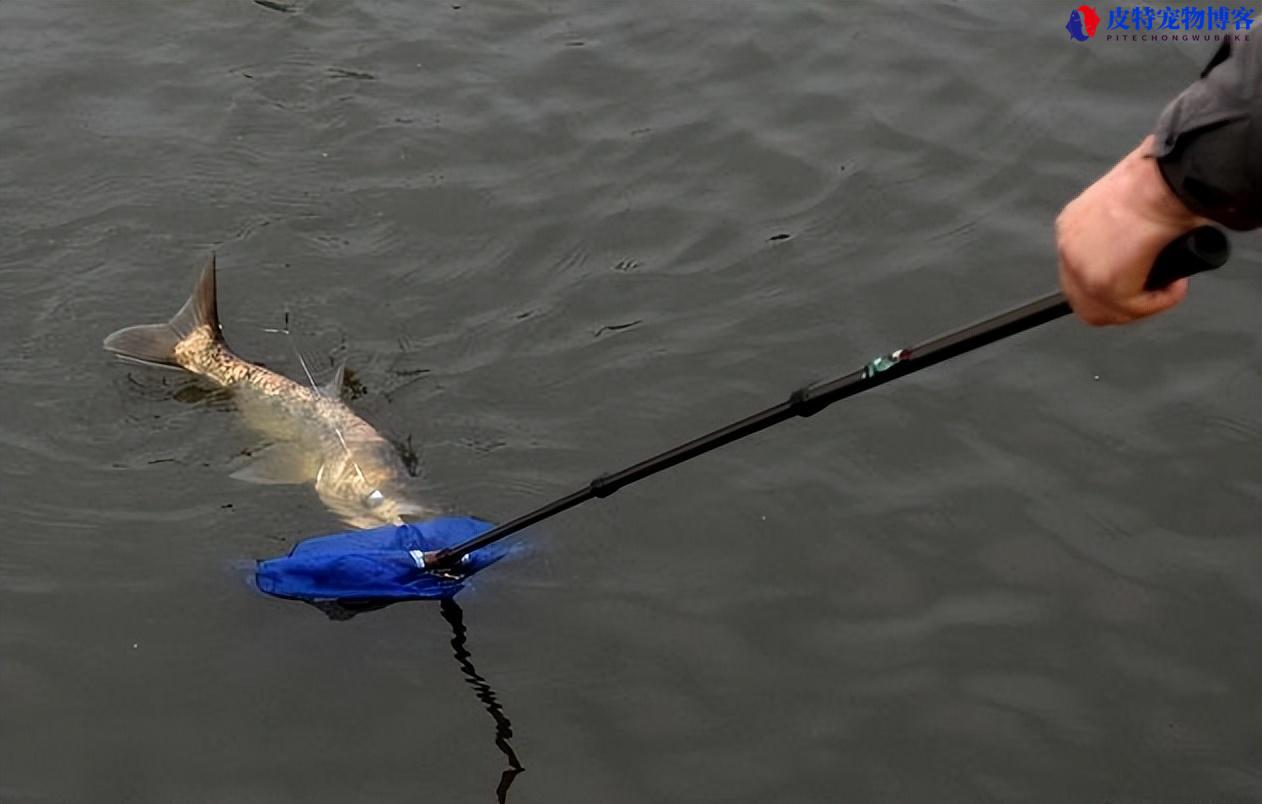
point(1202, 249)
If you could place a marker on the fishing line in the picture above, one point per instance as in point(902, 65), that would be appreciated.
point(376, 493)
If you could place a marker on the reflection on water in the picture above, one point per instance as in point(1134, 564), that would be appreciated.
point(339, 610)
point(503, 727)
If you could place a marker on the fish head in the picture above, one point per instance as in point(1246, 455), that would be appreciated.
point(364, 494)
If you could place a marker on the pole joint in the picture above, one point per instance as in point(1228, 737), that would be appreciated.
point(802, 402)
point(603, 486)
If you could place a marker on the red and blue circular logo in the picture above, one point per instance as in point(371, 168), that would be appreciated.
point(1082, 23)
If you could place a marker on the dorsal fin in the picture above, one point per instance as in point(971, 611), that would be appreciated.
point(333, 388)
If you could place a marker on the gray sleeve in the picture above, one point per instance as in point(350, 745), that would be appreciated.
point(1208, 141)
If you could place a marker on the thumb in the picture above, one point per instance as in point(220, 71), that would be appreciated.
point(1151, 302)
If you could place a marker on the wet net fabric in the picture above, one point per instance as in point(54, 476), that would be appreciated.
point(379, 564)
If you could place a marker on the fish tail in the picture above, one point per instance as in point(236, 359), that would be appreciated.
point(155, 344)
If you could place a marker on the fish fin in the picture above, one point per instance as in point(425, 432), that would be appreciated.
point(154, 344)
point(151, 344)
point(333, 388)
point(412, 512)
point(201, 309)
point(277, 464)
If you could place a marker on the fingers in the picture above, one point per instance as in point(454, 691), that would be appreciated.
point(1152, 302)
point(1106, 307)
point(1108, 238)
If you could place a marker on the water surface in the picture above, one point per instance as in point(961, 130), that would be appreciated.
point(547, 237)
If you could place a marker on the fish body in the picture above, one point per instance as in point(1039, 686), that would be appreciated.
point(313, 437)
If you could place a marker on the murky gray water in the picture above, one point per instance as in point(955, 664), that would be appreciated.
point(541, 232)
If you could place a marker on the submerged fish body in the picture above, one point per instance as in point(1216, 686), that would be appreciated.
point(314, 437)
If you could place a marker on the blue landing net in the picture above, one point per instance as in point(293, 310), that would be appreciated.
point(381, 564)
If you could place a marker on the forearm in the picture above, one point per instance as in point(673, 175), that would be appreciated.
point(1208, 141)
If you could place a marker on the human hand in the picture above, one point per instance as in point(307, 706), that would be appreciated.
point(1109, 236)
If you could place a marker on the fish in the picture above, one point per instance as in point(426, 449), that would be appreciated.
point(312, 435)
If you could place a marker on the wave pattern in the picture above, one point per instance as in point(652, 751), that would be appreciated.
point(551, 238)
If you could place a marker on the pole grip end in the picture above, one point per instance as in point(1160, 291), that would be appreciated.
point(1205, 248)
